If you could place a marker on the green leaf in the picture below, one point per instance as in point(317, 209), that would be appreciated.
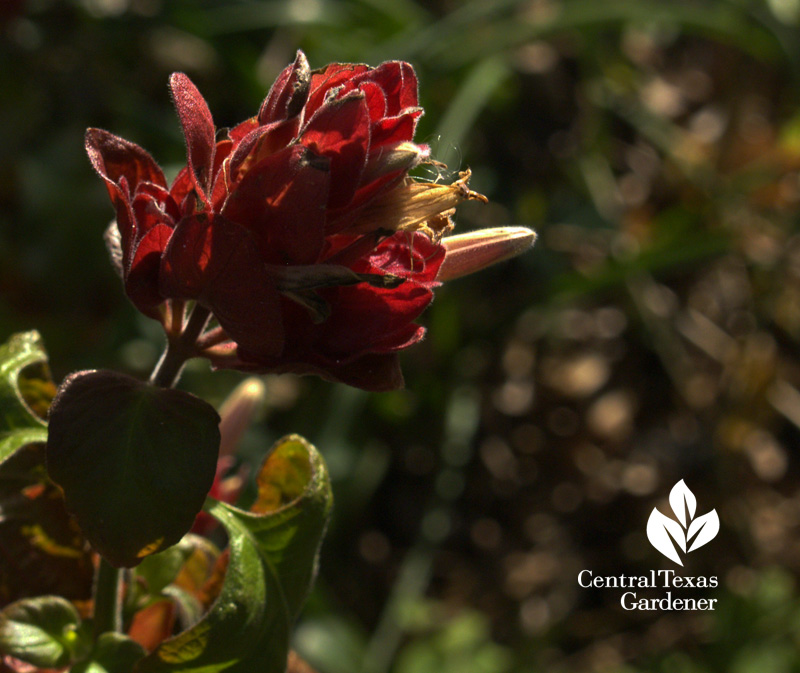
point(19, 424)
point(113, 653)
point(135, 462)
point(272, 565)
point(41, 631)
point(160, 569)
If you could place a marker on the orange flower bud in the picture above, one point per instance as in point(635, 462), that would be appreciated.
point(237, 412)
point(476, 250)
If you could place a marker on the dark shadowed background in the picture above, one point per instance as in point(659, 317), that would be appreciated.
point(651, 336)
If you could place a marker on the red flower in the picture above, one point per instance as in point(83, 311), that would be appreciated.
point(301, 231)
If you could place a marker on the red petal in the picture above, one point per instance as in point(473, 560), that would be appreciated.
point(149, 208)
point(340, 131)
point(198, 129)
point(346, 250)
point(141, 279)
point(308, 352)
point(401, 339)
point(281, 200)
point(260, 143)
point(391, 130)
point(289, 92)
point(330, 77)
point(126, 221)
point(399, 84)
point(412, 256)
point(217, 262)
point(369, 319)
point(114, 157)
point(376, 100)
point(365, 317)
point(241, 130)
point(182, 191)
point(220, 188)
point(184, 265)
point(245, 301)
point(244, 147)
point(277, 97)
point(409, 89)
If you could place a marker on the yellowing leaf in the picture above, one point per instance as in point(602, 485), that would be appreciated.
point(284, 475)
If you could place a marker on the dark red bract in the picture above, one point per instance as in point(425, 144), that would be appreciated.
point(300, 231)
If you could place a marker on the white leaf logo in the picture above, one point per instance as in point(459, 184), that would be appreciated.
point(705, 527)
point(659, 530)
point(665, 533)
point(682, 501)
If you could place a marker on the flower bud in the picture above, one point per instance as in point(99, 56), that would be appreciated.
point(238, 411)
point(476, 250)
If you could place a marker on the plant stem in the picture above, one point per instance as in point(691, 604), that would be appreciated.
point(174, 324)
point(180, 349)
point(212, 338)
point(107, 599)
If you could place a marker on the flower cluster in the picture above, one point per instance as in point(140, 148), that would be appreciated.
point(300, 231)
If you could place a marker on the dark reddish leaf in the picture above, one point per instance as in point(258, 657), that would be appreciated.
point(134, 461)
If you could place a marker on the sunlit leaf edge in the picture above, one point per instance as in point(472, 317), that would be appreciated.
point(20, 351)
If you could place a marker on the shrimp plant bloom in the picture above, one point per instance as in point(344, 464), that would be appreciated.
point(301, 230)
point(297, 241)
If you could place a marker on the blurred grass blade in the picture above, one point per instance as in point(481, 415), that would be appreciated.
point(728, 23)
point(476, 90)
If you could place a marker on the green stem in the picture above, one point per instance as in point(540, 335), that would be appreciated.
point(107, 599)
point(180, 349)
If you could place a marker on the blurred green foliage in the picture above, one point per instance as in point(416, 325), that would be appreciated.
point(651, 336)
